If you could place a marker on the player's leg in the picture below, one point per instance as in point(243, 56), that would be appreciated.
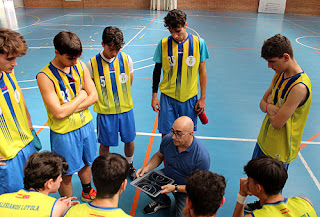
point(128, 133)
point(107, 130)
point(167, 114)
point(66, 186)
point(187, 109)
point(89, 154)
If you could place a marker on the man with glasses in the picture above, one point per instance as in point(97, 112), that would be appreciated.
point(183, 154)
point(112, 72)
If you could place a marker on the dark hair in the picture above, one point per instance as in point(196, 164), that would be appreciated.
point(109, 171)
point(12, 42)
point(113, 36)
point(42, 167)
point(175, 19)
point(276, 46)
point(205, 190)
point(67, 42)
point(268, 172)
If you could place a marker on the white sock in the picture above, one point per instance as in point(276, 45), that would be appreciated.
point(129, 159)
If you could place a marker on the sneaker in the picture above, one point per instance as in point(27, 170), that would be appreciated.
point(154, 207)
point(88, 197)
point(250, 207)
point(132, 172)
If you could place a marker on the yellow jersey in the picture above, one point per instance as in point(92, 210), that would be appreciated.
point(289, 207)
point(113, 84)
point(180, 65)
point(67, 87)
point(284, 144)
point(26, 203)
point(15, 133)
point(89, 210)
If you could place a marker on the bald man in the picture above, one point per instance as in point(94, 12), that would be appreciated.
point(183, 154)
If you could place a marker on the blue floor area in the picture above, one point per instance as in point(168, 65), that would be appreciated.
point(237, 80)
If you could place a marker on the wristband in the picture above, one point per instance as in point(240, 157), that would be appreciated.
point(175, 188)
point(267, 107)
point(241, 199)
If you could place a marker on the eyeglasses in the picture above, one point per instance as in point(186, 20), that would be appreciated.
point(177, 133)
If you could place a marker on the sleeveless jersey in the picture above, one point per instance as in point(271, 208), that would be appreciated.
point(180, 65)
point(26, 203)
point(88, 210)
point(67, 86)
point(15, 133)
point(284, 144)
point(113, 83)
point(289, 207)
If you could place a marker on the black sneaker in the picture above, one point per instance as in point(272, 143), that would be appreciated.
point(132, 171)
point(250, 207)
point(154, 207)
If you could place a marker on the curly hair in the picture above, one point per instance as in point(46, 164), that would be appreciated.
point(69, 43)
point(12, 42)
point(109, 171)
point(268, 172)
point(113, 36)
point(42, 167)
point(175, 19)
point(276, 46)
point(205, 190)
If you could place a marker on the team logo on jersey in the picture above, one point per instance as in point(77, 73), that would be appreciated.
point(180, 51)
point(17, 95)
point(23, 196)
point(123, 78)
point(4, 89)
point(191, 60)
point(172, 60)
point(112, 70)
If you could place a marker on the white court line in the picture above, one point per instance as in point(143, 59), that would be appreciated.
point(199, 137)
point(297, 40)
point(309, 171)
point(40, 22)
point(26, 80)
point(144, 67)
point(143, 60)
point(28, 88)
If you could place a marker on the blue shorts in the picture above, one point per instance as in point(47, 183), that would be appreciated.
point(258, 152)
point(108, 127)
point(171, 109)
point(78, 147)
point(11, 174)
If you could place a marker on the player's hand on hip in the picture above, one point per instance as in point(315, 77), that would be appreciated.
point(199, 107)
point(141, 171)
point(155, 104)
point(167, 189)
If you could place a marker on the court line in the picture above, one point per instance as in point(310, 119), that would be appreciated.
point(307, 36)
point(315, 48)
point(301, 27)
point(225, 17)
point(41, 22)
point(315, 180)
point(143, 60)
point(145, 162)
point(205, 137)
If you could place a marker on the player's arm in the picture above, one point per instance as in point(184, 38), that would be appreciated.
point(244, 192)
point(130, 68)
point(200, 105)
point(296, 97)
point(155, 104)
point(90, 88)
point(155, 161)
point(51, 99)
point(62, 205)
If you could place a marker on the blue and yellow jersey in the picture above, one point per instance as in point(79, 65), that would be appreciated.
point(180, 64)
point(89, 210)
point(284, 144)
point(113, 84)
point(15, 133)
point(289, 207)
point(67, 87)
point(26, 203)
